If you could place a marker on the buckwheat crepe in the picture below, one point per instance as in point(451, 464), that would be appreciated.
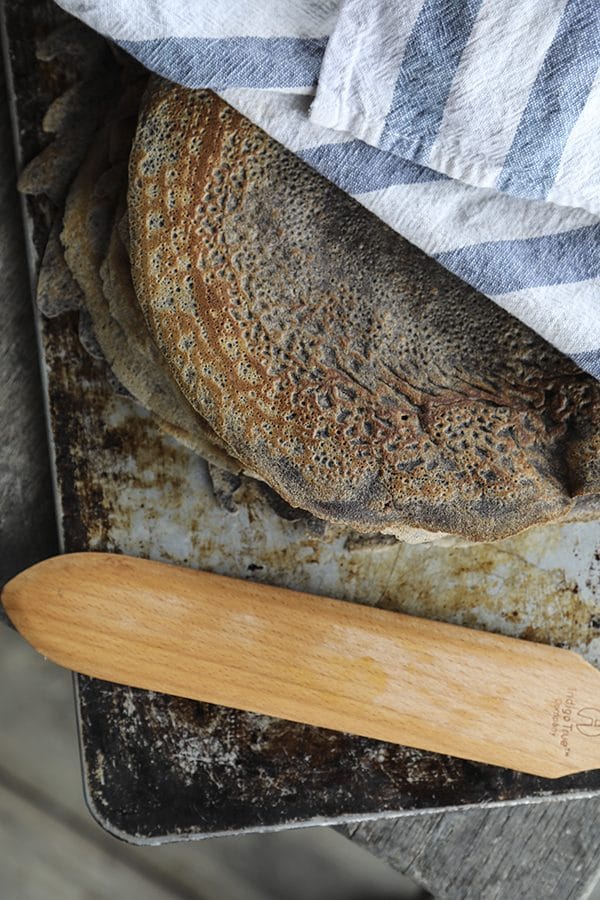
point(89, 235)
point(353, 374)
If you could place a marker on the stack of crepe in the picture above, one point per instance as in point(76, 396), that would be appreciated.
point(279, 329)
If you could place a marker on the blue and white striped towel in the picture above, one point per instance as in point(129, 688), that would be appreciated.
point(469, 126)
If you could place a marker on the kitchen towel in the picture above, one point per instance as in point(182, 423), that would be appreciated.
point(469, 126)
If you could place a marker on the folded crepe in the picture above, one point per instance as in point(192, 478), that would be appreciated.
point(96, 257)
point(357, 377)
point(278, 328)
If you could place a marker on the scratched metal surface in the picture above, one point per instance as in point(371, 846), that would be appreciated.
point(159, 768)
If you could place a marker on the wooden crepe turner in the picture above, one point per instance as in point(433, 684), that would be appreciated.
point(329, 663)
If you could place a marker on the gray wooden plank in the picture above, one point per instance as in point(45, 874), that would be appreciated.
point(27, 522)
point(594, 888)
point(309, 864)
point(43, 858)
point(38, 739)
point(542, 851)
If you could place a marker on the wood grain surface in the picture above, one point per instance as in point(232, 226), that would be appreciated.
point(541, 851)
point(27, 521)
point(324, 662)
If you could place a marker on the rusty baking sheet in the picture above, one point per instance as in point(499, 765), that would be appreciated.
point(158, 768)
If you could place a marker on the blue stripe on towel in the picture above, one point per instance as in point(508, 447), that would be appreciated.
point(498, 267)
point(430, 60)
point(237, 62)
point(358, 168)
point(590, 361)
point(555, 103)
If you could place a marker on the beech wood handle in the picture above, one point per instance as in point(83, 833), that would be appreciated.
point(311, 659)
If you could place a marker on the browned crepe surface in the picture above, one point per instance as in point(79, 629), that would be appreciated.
point(89, 235)
point(357, 377)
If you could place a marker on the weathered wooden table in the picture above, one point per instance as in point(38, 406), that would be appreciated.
point(541, 850)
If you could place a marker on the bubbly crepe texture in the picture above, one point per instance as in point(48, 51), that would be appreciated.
point(92, 246)
point(356, 376)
